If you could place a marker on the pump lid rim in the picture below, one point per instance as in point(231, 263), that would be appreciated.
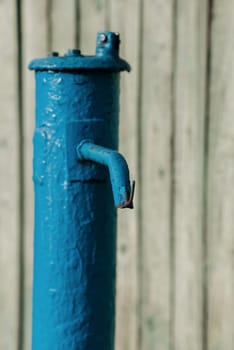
point(63, 63)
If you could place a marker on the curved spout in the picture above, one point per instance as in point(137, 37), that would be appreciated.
point(118, 170)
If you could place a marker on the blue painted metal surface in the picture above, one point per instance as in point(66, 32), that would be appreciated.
point(118, 170)
point(77, 98)
point(106, 58)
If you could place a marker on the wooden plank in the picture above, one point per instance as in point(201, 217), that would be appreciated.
point(9, 178)
point(123, 12)
point(156, 116)
point(220, 223)
point(190, 92)
point(35, 44)
point(63, 25)
point(93, 18)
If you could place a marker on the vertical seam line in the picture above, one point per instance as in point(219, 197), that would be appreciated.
point(173, 174)
point(77, 23)
point(205, 176)
point(49, 25)
point(139, 170)
point(107, 15)
point(21, 184)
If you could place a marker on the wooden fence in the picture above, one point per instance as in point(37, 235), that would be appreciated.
point(175, 287)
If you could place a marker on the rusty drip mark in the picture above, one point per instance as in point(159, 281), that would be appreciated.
point(130, 196)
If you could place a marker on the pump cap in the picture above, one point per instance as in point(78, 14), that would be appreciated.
point(106, 58)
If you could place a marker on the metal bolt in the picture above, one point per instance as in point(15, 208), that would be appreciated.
point(53, 54)
point(73, 52)
point(103, 38)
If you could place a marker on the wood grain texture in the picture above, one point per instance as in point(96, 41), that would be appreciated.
point(63, 25)
point(121, 14)
point(9, 178)
point(35, 18)
point(220, 223)
point(163, 133)
point(156, 114)
point(93, 18)
point(189, 113)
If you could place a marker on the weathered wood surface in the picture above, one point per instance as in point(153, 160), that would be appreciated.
point(189, 111)
point(220, 223)
point(9, 178)
point(156, 174)
point(122, 13)
point(35, 44)
point(175, 284)
point(93, 17)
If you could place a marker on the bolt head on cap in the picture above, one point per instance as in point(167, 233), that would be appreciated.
point(73, 52)
point(107, 44)
point(106, 58)
point(53, 54)
point(103, 38)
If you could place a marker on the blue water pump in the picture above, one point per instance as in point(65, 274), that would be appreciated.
point(79, 179)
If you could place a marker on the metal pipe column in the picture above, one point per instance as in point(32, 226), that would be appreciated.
point(77, 106)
